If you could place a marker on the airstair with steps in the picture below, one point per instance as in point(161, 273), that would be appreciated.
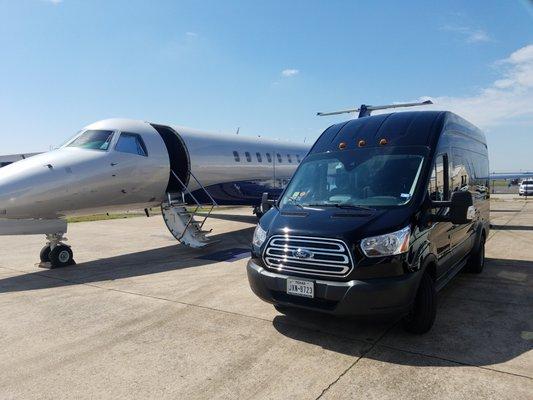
point(184, 222)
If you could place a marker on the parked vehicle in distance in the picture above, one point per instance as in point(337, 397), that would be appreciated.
point(379, 216)
point(526, 188)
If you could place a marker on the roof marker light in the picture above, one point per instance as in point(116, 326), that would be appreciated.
point(383, 142)
point(361, 143)
point(342, 145)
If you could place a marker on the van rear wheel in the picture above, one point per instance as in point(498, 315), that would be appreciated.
point(476, 261)
point(422, 315)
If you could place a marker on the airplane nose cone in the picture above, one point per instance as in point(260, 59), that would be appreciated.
point(24, 186)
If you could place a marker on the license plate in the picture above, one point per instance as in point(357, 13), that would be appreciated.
point(298, 287)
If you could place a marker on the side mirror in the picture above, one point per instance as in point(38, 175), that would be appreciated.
point(461, 208)
point(266, 203)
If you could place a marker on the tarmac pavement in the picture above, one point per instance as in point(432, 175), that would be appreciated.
point(142, 317)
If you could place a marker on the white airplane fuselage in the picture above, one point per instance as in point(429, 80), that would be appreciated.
point(75, 180)
point(120, 164)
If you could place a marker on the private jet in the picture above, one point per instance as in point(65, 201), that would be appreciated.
point(123, 164)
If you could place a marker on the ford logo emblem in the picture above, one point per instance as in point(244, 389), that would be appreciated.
point(300, 253)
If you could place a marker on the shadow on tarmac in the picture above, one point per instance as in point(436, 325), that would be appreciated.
point(511, 227)
point(479, 329)
point(247, 219)
point(147, 262)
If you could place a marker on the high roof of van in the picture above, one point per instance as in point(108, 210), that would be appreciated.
point(412, 128)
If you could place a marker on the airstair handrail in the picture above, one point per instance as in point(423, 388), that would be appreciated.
point(198, 204)
point(204, 189)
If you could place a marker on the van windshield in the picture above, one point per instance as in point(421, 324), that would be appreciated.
point(363, 177)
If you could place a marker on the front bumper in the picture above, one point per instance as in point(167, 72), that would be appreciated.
point(364, 298)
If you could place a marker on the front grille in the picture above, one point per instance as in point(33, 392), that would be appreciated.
point(308, 255)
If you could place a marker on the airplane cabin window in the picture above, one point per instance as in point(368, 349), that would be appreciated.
point(280, 160)
point(289, 158)
point(298, 159)
point(93, 140)
point(259, 158)
point(269, 158)
point(248, 156)
point(131, 143)
point(236, 156)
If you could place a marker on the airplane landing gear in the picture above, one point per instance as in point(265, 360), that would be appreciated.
point(45, 254)
point(56, 253)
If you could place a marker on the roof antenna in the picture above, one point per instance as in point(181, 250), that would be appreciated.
point(366, 110)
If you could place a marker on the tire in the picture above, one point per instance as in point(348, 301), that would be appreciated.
point(61, 256)
point(476, 261)
point(422, 316)
point(45, 254)
point(281, 309)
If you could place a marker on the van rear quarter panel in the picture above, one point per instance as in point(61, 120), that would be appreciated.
point(468, 165)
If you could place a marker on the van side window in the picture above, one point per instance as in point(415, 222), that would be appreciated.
point(459, 176)
point(289, 158)
point(280, 160)
point(236, 156)
point(269, 158)
point(259, 158)
point(131, 143)
point(438, 183)
point(298, 159)
point(248, 156)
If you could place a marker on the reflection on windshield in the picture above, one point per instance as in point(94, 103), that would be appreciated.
point(93, 139)
point(365, 177)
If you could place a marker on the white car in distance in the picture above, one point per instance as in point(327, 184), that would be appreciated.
point(526, 188)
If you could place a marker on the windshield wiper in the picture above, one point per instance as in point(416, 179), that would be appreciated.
point(353, 206)
point(340, 205)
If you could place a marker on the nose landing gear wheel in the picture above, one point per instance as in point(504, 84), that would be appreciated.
point(61, 256)
point(45, 254)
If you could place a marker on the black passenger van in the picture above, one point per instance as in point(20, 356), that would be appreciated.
point(378, 217)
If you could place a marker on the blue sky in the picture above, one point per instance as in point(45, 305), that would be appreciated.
point(265, 67)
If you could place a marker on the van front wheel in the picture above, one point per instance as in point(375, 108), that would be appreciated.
point(422, 315)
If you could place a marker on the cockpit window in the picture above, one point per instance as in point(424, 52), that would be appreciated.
point(131, 143)
point(93, 139)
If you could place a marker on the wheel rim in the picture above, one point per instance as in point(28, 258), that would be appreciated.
point(482, 255)
point(64, 256)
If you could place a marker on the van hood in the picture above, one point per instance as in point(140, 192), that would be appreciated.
point(349, 225)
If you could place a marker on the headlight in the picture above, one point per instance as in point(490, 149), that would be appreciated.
point(387, 245)
point(259, 236)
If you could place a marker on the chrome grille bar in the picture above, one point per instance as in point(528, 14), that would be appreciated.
point(309, 255)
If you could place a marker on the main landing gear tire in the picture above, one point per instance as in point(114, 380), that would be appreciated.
point(476, 262)
point(422, 316)
point(61, 256)
point(45, 254)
